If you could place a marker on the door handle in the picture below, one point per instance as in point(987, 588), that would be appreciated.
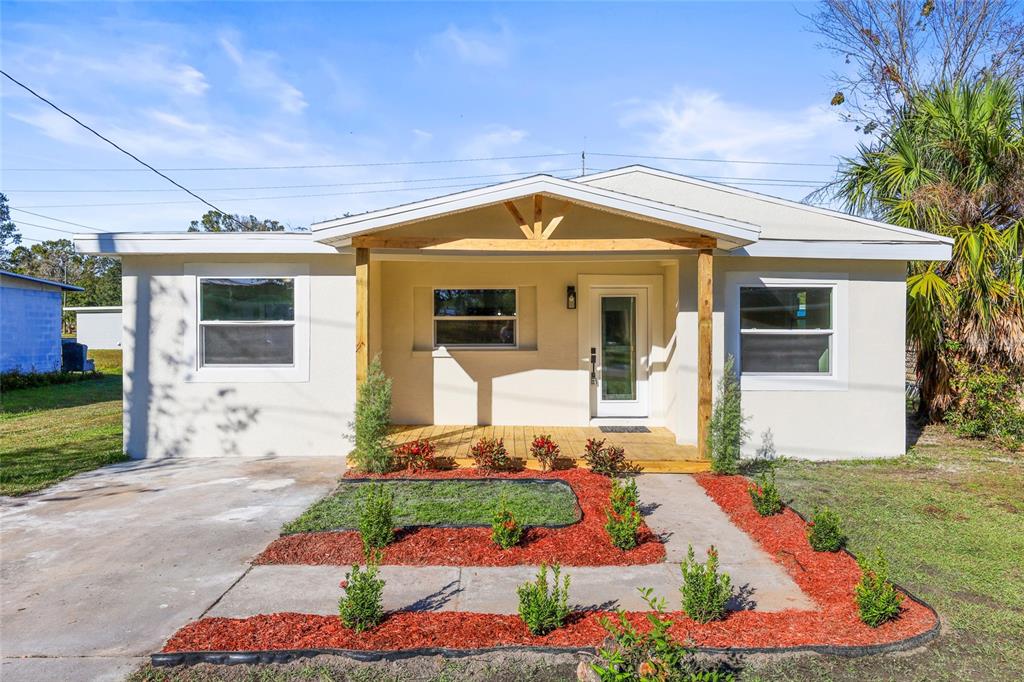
point(593, 366)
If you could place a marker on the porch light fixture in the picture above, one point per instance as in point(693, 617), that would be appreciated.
point(570, 297)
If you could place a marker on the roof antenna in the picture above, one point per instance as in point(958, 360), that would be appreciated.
point(583, 157)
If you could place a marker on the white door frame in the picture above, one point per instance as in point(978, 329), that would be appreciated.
point(650, 345)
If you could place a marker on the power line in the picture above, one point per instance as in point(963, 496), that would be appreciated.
point(329, 184)
point(59, 220)
point(45, 227)
point(305, 166)
point(699, 160)
point(113, 144)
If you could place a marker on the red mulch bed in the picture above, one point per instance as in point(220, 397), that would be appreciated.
point(827, 578)
point(585, 543)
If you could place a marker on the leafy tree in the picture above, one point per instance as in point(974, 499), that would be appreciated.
point(215, 221)
point(9, 235)
point(895, 49)
point(953, 164)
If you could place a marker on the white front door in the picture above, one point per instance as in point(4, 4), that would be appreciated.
point(620, 352)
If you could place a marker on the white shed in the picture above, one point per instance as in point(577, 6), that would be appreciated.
point(98, 327)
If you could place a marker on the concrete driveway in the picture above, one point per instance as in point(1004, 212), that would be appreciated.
point(97, 572)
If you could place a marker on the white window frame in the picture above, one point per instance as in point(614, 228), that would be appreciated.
point(837, 377)
point(298, 371)
point(474, 346)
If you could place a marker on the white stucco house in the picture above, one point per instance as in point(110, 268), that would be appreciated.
point(97, 326)
point(610, 299)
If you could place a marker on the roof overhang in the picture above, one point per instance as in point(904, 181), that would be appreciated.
point(856, 250)
point(167, 243)
point(40, 280)
point(340, 231)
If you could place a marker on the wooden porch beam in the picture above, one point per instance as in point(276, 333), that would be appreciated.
point(705, 294)
point(538, 215)
point(521, 223)
point(556, 221)
point(362, 314)
point(532, 245)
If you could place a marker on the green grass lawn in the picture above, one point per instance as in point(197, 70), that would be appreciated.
point(950, 518)
point(465, 502)
point(50, 433)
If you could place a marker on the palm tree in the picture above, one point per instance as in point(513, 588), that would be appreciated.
point(953, 164)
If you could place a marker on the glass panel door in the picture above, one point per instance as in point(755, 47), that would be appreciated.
point(618, 348)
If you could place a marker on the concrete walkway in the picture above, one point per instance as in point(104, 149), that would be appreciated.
point(675, 506)
point(98, 571)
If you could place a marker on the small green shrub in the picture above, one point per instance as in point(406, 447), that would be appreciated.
point(362, 605)
point(377, 517)
point(372, 422)
point(765, 494)
point(605, 459)
point(825, 533)
point(506, 531)
point(545, 451)
point(705, 592)
point(624, 520)
point(988, 405)
point(635, 654)
point(544, 607)
point(14, 379)
point(726, 434)
point(877, 599)
point(490, 454)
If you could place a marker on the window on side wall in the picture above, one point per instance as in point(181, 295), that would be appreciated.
point(246, 321)
point(787, 330)
point(475, 318)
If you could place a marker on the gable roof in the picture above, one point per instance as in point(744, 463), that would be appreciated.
point(781, 220)
point(40, 280)
point(600, 198)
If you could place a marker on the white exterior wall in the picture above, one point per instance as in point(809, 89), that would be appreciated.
point(864, 419)
point(98, 329)
point(168, 413)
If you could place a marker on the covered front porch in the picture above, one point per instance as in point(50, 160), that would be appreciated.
point(651, 449)
point(542, 307)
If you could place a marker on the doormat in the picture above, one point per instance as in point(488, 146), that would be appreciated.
point(625, 429)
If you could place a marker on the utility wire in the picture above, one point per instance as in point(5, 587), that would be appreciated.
point(59, 220)
point(307, 166)
point(699, 160)
point(45, 227)
point(114, 144)
point(329, 184)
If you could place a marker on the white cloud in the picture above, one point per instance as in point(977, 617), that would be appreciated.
point(257, 71)
point(422, 136)
point(480, 48)
point(492, 141)
point(701, 123)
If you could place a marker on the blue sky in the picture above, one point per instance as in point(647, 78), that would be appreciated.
point(264, 84)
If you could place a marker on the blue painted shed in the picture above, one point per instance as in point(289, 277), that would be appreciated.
point(30, 322)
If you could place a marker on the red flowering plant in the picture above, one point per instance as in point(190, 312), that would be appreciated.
point(607, 460)
point(416, 455)
point(490, 454)
point(545, 451)
point(506, 531)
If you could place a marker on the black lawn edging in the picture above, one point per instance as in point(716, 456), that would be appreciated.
point(286, 655)
point(577, 510)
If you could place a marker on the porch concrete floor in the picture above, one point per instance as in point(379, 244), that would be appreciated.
point(654, 451)
point(675, 507)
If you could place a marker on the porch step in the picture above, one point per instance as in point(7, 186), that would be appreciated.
point(650, 466)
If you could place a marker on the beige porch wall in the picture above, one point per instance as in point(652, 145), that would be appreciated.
point(545, 381)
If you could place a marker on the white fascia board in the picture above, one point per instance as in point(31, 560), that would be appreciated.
point(600, 198)
point(858, 250)
point(795, 205)
point(92, 309)
point(163, 243)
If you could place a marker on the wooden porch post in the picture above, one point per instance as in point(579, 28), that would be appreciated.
point(705, 280)
point(362, 314)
